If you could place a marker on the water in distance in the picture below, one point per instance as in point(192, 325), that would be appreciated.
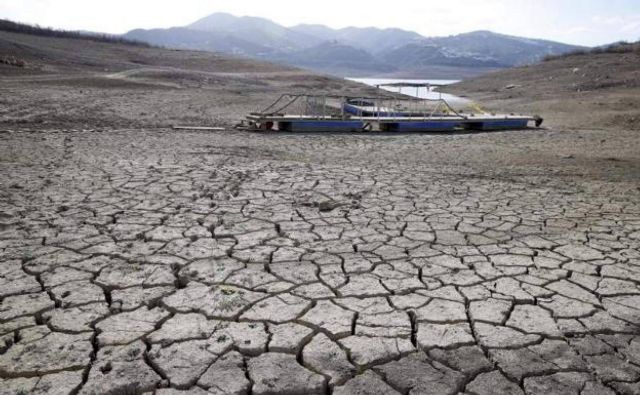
point(421, 92)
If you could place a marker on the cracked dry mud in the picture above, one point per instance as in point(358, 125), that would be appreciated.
point(230, 263)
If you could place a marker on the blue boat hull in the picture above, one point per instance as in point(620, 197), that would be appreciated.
point(321, 126)
point(421, 126)
point(498, 124)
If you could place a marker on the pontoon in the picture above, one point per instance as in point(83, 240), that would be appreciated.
point(326, 113)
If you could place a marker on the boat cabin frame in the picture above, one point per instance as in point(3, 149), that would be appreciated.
point(383, 113)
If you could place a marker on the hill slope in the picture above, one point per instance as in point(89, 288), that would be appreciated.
point(81, 83)
point(587, 90)
point(336, 58)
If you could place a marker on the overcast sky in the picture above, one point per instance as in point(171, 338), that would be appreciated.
point(587, 22)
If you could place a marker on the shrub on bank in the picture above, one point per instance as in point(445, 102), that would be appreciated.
point(14, 27)
point(617, 48)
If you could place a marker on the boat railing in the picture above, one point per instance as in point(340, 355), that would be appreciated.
point(384, 107)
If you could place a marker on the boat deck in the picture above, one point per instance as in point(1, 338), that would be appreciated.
point(313, 113)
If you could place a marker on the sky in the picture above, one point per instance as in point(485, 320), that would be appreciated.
point(582, 22)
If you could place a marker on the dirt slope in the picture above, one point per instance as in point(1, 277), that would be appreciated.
point(82, 83)
point(583, 91)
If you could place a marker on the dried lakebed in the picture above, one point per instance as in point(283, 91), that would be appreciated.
point(155, 261)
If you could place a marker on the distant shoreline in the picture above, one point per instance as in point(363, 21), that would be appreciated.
point(421, 93)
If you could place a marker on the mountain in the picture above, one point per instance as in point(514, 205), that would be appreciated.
point(183, 38)
point(260, 31)
point(500, 48)
point(480, 49)
point(353, 51)
point(426, 54)
point(337, 58)
point(369, 38)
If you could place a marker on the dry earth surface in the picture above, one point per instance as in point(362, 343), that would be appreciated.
point(138, 259)
point(594, 91)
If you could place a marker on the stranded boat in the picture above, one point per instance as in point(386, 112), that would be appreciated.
point(314, 113)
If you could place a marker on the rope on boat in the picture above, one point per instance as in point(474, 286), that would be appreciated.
point(295, 98)
point(274, 104)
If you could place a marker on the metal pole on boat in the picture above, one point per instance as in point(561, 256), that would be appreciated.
point(324, 104)
point(424, 110)
point(377, 103)
point(401, 103)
